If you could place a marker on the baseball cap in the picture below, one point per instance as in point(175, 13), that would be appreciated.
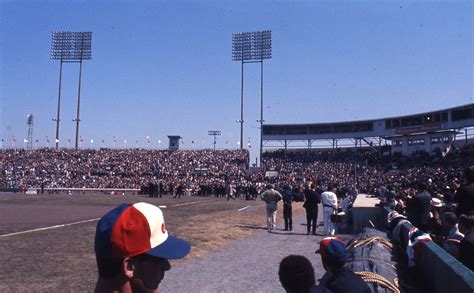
point(130, 230)
point(333, 250)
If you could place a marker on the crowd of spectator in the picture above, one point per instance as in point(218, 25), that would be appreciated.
point(208, 172)
point(194, 171)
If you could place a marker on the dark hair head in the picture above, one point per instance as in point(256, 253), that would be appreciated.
point(469, 174)
point(450, 217)
point(330, 186)
point(467, 220)
point(421, 185)
point(296, 274)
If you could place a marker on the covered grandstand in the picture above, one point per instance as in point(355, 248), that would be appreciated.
point(430, 131)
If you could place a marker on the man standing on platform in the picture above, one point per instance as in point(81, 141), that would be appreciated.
point(271, 197)
point(311, 206)
point(329, 200)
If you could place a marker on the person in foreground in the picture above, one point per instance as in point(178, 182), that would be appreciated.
point(340, 280)
point(297, 274)
point(132, 248)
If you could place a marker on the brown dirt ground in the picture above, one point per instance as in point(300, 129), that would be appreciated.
point(62, 259)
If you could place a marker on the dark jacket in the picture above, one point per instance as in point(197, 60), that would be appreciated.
point(465, 198)
point(311, 200)
point(287, 198)
point(418, 209)
point(466, 249)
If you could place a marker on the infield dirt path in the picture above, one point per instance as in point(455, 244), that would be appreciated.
point(246, 265)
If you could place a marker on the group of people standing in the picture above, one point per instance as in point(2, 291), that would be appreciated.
point(312, 198)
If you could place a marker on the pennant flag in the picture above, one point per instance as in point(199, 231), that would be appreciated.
point(25, 140)
point(159, 141)
point(68, 140)
point(192, 141)
point(125, 141)
point(92, 141)
point(103, 141)
point(35, 140)
point(57, 140)
point(226, 142)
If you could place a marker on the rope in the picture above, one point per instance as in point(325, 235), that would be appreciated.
point(370, 240)
point(370, 277)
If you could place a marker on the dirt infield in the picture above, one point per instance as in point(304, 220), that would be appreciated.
point(62, 258)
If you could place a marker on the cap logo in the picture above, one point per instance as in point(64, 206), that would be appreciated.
point(163, 228)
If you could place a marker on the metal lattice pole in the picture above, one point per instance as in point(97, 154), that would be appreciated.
point(252, 47)
point(72, 47)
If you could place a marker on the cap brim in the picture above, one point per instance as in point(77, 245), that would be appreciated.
point(172, 248)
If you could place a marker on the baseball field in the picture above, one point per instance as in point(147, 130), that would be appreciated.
point(47, 241)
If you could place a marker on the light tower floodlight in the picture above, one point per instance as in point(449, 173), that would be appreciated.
point(251, 47)
point(214, 133)
point(70, 47)
point(29, 122)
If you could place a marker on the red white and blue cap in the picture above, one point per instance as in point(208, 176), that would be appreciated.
point(131, 230)
point(333, 250)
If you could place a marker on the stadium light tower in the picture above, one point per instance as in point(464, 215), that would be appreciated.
point(251, 47)
point(29, 141)
point(72, 47)
point(214, 133)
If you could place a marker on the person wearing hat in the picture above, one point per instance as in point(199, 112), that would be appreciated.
point(340, 279)
point(132, 248)
point(271, 197)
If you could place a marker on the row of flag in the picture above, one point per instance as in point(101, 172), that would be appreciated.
point(114, 141)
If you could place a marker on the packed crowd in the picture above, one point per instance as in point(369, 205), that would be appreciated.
point(113, 168)
point(207, 172)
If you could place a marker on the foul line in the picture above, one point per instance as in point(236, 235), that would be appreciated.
point(50, 227)
point(239, 210)
point(81, 222)
point(187, 203)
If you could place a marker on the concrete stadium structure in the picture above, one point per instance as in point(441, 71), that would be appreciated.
point(404, 134)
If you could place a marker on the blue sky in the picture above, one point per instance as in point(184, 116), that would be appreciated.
point(165, 67)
